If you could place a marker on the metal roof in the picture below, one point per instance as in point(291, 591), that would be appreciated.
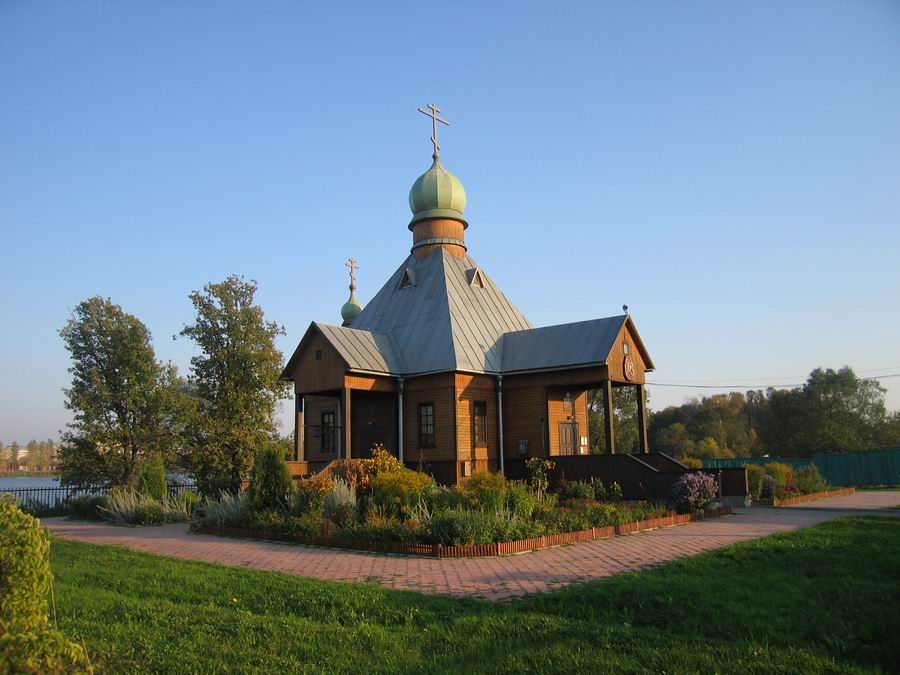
point(361, 349)
point(561, 346)
point(442, 322)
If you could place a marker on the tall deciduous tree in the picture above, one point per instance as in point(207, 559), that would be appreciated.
point(125, 403)
point(236, 377)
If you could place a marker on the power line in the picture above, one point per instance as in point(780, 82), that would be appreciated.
point(788, 377)
point(756, 386)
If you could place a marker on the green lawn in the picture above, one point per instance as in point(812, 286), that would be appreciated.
point(824, 599)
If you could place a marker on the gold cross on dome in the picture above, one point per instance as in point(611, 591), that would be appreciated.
point(353, 265)
point(432, 112)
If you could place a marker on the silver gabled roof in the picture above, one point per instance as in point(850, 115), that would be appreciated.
point(441, 322)
point(562, 346)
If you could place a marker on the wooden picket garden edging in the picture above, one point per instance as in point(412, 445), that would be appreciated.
point(473, 550)
point(802, 499)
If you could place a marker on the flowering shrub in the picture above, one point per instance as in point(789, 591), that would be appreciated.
point(485, 490)
point(397, 492)
point(693, 491)
point(309, 495)
point(361, 473)
point(781, 473)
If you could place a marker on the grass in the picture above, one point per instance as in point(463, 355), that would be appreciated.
point(823, 599)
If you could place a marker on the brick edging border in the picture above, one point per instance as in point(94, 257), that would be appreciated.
point(474, 550)
point(802, 499)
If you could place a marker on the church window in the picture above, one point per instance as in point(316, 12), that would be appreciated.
point(479, 416)
point(426, 425)
point(328, 435)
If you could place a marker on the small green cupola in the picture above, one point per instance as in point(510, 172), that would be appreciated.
point(437, 193)
point(353, 307)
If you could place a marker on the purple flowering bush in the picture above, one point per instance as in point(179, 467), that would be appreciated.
point(693, 491)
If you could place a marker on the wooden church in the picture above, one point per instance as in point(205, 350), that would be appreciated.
point(445, 371)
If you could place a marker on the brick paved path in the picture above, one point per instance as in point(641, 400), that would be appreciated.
point(492, 578)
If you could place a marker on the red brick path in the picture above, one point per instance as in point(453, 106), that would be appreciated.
point(492, 578)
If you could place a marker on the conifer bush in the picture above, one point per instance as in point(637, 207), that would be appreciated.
point(270, 483)
point(28, 642)
point(152, 478)
point(808, 479)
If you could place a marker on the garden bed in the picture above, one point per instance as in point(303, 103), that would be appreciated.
point(802, 499)
point(469, 551)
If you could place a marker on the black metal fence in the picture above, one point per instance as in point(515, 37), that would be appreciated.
point(46, 501)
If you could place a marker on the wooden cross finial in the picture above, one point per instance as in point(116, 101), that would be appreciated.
point(353, 265)
point(432, 112)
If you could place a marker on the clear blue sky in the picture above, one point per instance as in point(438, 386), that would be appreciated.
point(731, 171)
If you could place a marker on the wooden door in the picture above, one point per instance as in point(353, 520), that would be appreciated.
point(568, 438)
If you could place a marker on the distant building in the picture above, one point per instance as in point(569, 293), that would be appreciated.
point(445, 371)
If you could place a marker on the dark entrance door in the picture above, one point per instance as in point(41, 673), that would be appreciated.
point(568, 438)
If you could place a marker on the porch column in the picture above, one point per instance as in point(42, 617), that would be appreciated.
point(345, 422)
point(500, 423)
point(642, 418)
point(299, 431)
point(608, 414)
point(400, 421)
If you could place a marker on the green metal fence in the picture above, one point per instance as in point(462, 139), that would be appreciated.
point(866, 467)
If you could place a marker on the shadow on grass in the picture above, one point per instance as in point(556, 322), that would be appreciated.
point(820, 599)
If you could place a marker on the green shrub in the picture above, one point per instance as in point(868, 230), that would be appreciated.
point(692, 462)
point(151, 479)
point(86, 507)
point(390, 529)
point(397, 492)
point(459, 527)
point(229, 510)
point(311, 524)
point(340, 503)
point(520, 500)
point(28, 643)
point(604, 493)
point(768, 487)
point(439, 498)
point(485, 490)
point(755, 474)
point(213, 486)
point(309, 495)
point(577, 489)
point(780, 473)
point(270, 482)
point(808, 479)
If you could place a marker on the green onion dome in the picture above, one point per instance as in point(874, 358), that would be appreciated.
point(437, 193)
point(351, 309)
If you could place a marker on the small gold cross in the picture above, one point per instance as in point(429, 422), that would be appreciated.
point(353, 265)
point(432, 112)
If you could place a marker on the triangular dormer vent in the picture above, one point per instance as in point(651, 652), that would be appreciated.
point(473, 276)
point(408, 279)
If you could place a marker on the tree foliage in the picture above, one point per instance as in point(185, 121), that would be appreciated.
point(834, 411)
point(236, 379)
point(624, 420)
point(126, 404)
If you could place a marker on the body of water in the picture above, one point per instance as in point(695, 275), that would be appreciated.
point(24, 482)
